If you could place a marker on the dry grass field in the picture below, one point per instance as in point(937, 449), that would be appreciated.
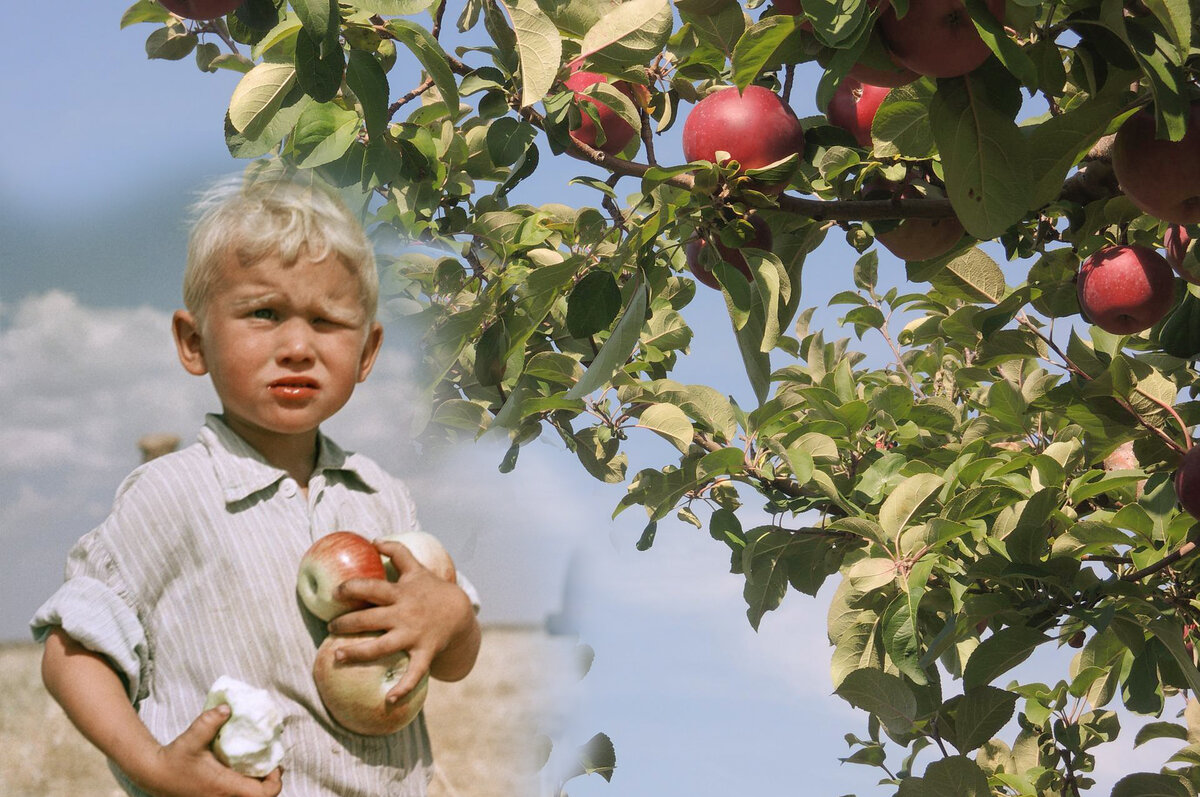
point(483, 728)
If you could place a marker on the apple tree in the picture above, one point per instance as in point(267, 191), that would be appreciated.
point(1008, 478)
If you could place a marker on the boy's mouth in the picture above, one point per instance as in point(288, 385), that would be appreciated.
point(294, 387)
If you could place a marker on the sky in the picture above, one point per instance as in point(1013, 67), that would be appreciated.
point(100, 164)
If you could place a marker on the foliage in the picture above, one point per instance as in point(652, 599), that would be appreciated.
point(960, 491)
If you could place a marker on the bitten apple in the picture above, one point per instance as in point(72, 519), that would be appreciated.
point(427, 550)
point(936, 37)
point(1161, 177)
point(201, 9)
point(617, 132)
point(328, 562)
point(355, 693)
point(756, 128)
point(251, 740)
point(1125, 289)
point(761, 240)
point(853, 108)
point(1187, 481)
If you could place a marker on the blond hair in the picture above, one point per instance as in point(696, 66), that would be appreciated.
point(255, 219)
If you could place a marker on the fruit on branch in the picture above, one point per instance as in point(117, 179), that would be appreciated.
point(329, 561)
point(201, 9)
point(732, 255)
point(355, 693)
point(1077, 639)
point(915, 238)
point(1176, 242)
point(891, 77)
point(789, 7)
point(936, 37)
point(1125, 289)
point(853, 108)
point(617, 131)
point(756, 128)
point(1187, 481)
point(427, 550)
point(1161, 177)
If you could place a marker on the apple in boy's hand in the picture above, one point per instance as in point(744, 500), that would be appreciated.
point(427, 550)
point(331, 560)
point(251, 740)
point(355, 693)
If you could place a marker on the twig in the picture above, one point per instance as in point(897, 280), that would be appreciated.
point(1168, 560)
point(425, 86)
point(1187, 437)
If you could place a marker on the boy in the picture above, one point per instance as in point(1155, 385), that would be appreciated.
point(193, 574)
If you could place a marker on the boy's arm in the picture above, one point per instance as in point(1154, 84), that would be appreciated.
point(91, 693)
point(432, 619)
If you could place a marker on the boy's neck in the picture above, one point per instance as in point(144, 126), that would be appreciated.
point(295, 454)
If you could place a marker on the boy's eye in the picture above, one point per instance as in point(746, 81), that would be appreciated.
point(265, 313)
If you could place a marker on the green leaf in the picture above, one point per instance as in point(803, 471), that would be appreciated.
point(319, 17)
point(1171, 636)
point(366, 79)
point(631, 34)
point(507, 140)
point(720, 26)
point(144, 11)
point(757, 46)
point(539, 48)
point(901, 124)
point(670, 422)
point(258, 96)
point(596, 757)
point(955, 776)
point(599, 453)
point(394, 8)
point(319, 72)
point(431, 56)
point(999, 653)
point(323, 134)
point(593, 304)
point(883, 695)
point(985, 157)
point(903, 502)
point(980, 715)
point(1147, 784)
point(617, 348)
point(1160, 730)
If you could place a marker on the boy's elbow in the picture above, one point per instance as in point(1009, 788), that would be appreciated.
point(458, 659)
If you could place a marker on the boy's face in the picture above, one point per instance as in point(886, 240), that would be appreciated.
point(284, 346)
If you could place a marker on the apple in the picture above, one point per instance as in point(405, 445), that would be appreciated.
point(936, 37)
point(789, 7)
point(328, 562)
point(1187, 481)
point(427, 550)
point(1161, 177)
point(732, 256)
point(1125, 289)
point(915, 239)
point(1176, 242)
point(354, 693)
point(251, 740)
point(756, 128)
point(617, 132)
point(201, 9)
point(853, 108)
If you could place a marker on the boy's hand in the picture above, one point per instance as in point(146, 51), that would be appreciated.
point(188, 767)
point(420, 613)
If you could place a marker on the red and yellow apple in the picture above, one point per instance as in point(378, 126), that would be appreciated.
point(936, 37)
point(1187, 481)
point(427, 550)
point(733, 256)
point(328, 562)
point(1160, 177)
point(914, 238)
point(853, 108)
point(1125, 289)
point(756, 128)
point(354, 693)
point(617, 132)
point(201, 9)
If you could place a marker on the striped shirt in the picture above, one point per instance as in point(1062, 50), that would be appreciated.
point(192, 576)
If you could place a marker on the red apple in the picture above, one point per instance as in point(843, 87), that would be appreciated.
point(914, 239)
point(734, 257)
point(617, 131)
point(1125, 289)
point(1161, 177)
point(756, 128)
point(328, 562)
point(427, 550)
point(853, 108)
point(1187, 481)
point(936, 37)
point(1176, 242)
point(355, 693)
point(789, 7)
point(201, 9)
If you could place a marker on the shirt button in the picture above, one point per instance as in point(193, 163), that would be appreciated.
point(288, 488)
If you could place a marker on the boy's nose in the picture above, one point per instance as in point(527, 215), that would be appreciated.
point(296, 342)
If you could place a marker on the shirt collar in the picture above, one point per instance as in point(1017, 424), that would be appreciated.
point(241, 471)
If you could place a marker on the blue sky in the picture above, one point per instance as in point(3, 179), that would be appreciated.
point(103, 149)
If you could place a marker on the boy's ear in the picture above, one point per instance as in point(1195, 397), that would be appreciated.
point(186, 332)
point(370, 350)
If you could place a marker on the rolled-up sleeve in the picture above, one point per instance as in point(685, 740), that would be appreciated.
point(92, 608)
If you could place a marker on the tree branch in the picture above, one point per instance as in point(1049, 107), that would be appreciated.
point(1184, 550)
